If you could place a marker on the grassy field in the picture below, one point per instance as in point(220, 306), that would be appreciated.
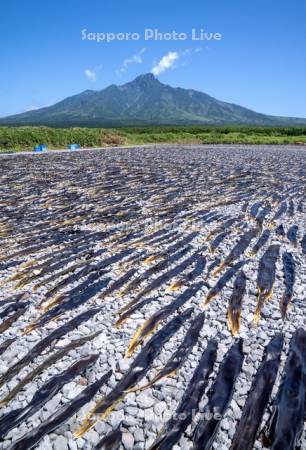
point(25, 138)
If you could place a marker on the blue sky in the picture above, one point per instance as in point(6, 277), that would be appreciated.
point(260, 62)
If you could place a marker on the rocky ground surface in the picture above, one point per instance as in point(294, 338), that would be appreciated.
point(145, 201)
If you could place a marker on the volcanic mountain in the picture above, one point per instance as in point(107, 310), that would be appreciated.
point(144, 101)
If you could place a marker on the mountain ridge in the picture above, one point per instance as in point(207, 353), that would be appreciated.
point(144, 101)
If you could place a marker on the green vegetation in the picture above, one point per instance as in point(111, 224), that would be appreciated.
point(25, 138)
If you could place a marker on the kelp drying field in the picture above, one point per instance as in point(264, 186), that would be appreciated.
point(153, 298)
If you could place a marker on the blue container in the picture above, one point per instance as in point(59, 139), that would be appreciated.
point(40, 148)
point(73, 146)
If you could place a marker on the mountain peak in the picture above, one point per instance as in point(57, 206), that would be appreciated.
point(145, 80)
point(144, 101)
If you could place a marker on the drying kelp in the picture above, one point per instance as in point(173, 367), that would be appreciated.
point(222, 228)
point(44, 365)
point(111, 441)
point(45, 269)
point(280, 212)
point(213, 265)
point(266, 278)
point(77, 290)
point(150, 325)
point(291, 208)
point(45, 342)
point(6, 344)
point(280, 231)
point(262, 215)
point(156, 268)
point(285, 427)
point(165, 277)
point(181, 354)
point(254, 209)
point(88, 269)
point(45, 393)
point(66, 217)
point(159, 281)
point(218, 240)
point(238, 249)
point(190, 276)
point(7, 323)
point(303, 244)
point(261, 242)
point(292, 234)
point(289, 278)
point(32, 438)
point(223, 281)
point(138, 369)
point(235, 304)
point(189, 405)
point(69, 304)
point(12, 307)
point(119, 283)
point(259, 396)
point(12, 299)
point(219, 398)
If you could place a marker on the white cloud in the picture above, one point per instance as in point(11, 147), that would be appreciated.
point(135, 59)
point(90, 74)
point(167, 62)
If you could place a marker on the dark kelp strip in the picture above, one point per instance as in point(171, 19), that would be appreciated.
point(45, 393)
point(119, 283)
point(47, 363)
point(280, 231)
point(6, 344)
point(219, 398)
point(259, 396)
point(155, 269)
point(190, 276)
point(280, 212)
point(261, 242)
point(218, 240)
point(44, 343)
point(254, 209)
point(289, 278)
point(303, 244)
point(189, 404)
point(77, 290)
point(159, 281)
point(238, 249)
point(235, 304)
point(138, 369)
point(164, 278)
point(285, 427)
point(181, 354)
point(222, 282)
point(266, 278)
point(69, 305)
point(262, 215)
point(13, 299)
point(149, 326)
point(32, 438)
point(292, 234)
point(111, 441)
point(13, 307)
point(6, 324)
point(88, 269)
